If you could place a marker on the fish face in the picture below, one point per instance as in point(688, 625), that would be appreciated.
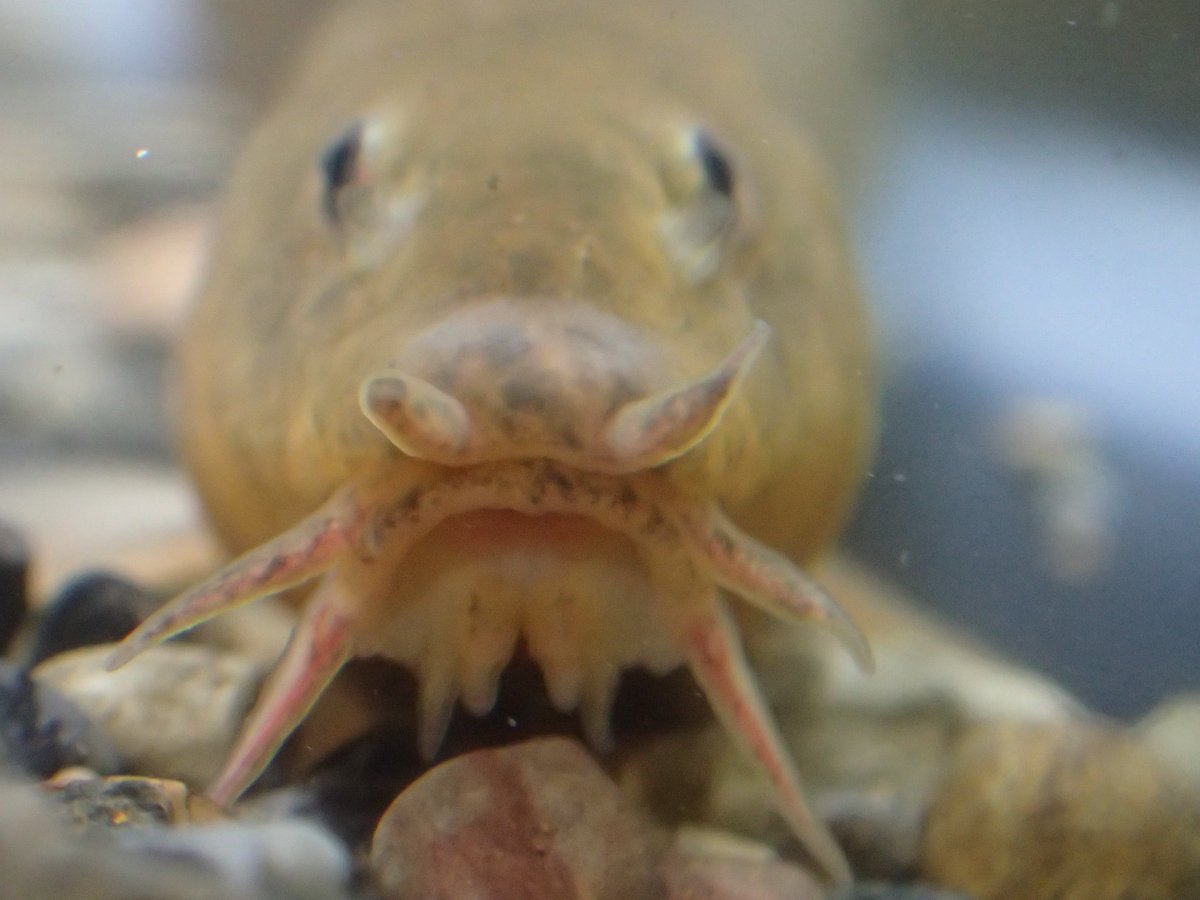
point(514, 340)
point(528, 271)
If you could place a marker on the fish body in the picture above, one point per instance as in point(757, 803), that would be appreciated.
point(527, 324)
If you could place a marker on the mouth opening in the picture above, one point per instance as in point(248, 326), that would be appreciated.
point(501, 530)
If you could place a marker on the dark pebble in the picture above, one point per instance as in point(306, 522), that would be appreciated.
point(283, 860)
point(96, 608)
point(124, 803)
point(42, 731)
point(350, 790)
point(14, 583)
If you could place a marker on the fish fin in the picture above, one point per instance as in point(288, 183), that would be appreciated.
point(651, 431)
point(771, 581)
point(421, 420)
point(299, 554)
point(319, 647)
point(712, 648)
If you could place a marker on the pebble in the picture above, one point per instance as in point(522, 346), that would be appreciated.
point(1172, 732)
point(172, 712)
point(124, 802)
point(537, 820)
point(1070, 810)
point(716, 878)
point(1036, 793)
point(95, 608)
point(42, 731)
point(43, 856)
point(707, 864)
point(287, 859)
point(350, 790)
point(14, 582)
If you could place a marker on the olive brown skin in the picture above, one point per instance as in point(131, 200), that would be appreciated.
point(531, 321)
point(565, 136)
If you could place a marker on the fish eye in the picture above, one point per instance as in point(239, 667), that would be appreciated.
point(702, 210)
point(370, 197)
point(340, 166)
point(718, 171)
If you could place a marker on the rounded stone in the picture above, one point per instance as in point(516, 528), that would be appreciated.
point(94, 608)
point(174, 711)
point(14, 582)
point(1070, 810)
point(536, 821)
point(41, 731)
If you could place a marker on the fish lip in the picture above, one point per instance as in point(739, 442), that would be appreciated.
point(486, 528)
point(628, 503)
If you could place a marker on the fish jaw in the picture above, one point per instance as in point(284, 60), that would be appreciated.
point(675, 557)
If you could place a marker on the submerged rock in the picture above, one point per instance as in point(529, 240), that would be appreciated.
point(948, 765)
point(124, 802)
point(95, 608)
point(716, 878)
point(1172, 732)
point(534, 821)
point(40, 856)
point(712, 865)
point(286, 859)
point(14, 582)
point(42, 731)
point(1073, 811)
point(349, 791)
point(172, 712)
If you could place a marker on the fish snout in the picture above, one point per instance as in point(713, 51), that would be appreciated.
point(567, 383)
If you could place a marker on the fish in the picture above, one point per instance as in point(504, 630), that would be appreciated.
point(531, 328)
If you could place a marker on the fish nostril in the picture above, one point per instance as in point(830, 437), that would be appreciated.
point(421, 420)
point(504, 348)
point(528, 377)
point(648, 432)
point(523, 395)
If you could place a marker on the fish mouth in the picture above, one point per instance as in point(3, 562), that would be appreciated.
point(498, 529)
point(358, 544)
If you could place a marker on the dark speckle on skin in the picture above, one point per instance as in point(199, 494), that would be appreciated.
point(444, 376)
point(585, 337)
point(724, 541)
point(507, 425)
point(569, 438)
point(274, 564)
point(560, 481)
point(473, 609)
point(506, 349)
point(521, 394)
point(403, 509)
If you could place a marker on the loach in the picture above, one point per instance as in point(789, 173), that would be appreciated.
point(527, 325)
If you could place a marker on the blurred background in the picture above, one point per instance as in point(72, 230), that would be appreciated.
point(1024, 194)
